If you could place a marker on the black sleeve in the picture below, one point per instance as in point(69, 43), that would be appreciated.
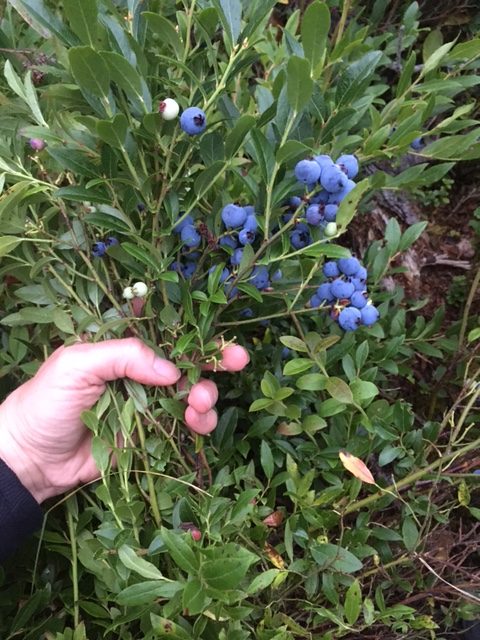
point(20, 513)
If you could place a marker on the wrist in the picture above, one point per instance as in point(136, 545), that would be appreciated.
point(18, 459)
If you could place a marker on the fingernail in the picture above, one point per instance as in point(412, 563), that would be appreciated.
point(167, 372)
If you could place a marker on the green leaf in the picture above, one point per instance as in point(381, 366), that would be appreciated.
point(353, 602)
point(205, 181)
point(146, 592)
point(63, 321)
point(226, 573)
point(83, 19)
point(90, 70)
point(167, 629)
point(363, 390)
point(264, 154)
point(292, 342)
point(132, 561)
point(142, 255)
point(32, 100)
point(266, 459)
point(435, 58)
point(335, 557)
point(411, 235)
point(299, 83)
point(165, 31)
point(100, 453)
point(8, 244)
point(312, 382)
point(114, 132)
point(194, 599)
point(125, 76)
point(80, 194)
point(291, 150)
point(237, 135)
point(315, 28)
point(42, 20)
point(410, 533)
point(339, 390)
point(180, 551)
point(348, 205)
point(73, 160)
point(230, 12)
point(263, 581)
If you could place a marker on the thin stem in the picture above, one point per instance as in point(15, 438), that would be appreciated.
point(73, 547)
point(151, 486)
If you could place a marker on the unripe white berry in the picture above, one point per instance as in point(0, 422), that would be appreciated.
point(140, 289)
point(331, 229)
point(128, 293)
point(168, 109)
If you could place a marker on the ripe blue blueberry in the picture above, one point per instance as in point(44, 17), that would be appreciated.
point(228, 241)
point(99, 249)
point(299, 238)
point(336, 198)
point(370, 315)
point(111, 241)
point(236, 257)
point(320, 198)
point(330, 269)
point(246, 313)
point(188, 269)
point(233, 216)
point(323, 161)
point(295, 202)
point(417, 144)
point(314, 301)
point(251, 223)
point(259, 278)
point(249, 210)
point(286, 354)
point(349, 266)
point(349, 318)
point(358, 284)
point(246, 236)
point(324, 293)
point(193, 121)
point(349, 164)
point(359, 299)
point(187, 220)
point(333, 179)
point(307, 171)
point(277, 275)
point(362, 274)
point(341, 289)
point(190, 236)
point(314, 214)
point(330, 212)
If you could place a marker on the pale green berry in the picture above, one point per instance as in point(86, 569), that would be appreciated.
point(140, 289)
point(331, 229)
point(128, 293)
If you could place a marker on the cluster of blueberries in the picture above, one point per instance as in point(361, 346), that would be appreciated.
point(345, 292)
point(336, 182)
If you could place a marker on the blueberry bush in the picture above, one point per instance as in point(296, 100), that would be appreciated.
point(192, 173)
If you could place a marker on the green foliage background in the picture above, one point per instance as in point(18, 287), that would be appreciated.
point(113, 559)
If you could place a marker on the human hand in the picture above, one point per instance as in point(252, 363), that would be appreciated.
point(42, 437)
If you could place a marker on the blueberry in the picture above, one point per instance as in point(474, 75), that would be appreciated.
point(246, 313)
point(417, 144)
point(233, 216)
point(341, 289)
point(250, 210)
point(336, 198)
point(299, 239)
point(330, 212)
point(370, 315)
point(358, 284)
point(295, 202)
point(277, 275)
point(359, 299)
point(323, 161)
point(111, 241)
point(188, 220)
point(246, 237)
point(286, 354)
point(141, 207)
point(251, 223)
point(190, 236)
point(228, 241)
point(349, 318)
point(259, 278)
point(307, 171)
point(314, 301)
point(349, 266)
point(193, 121)
point(320, 198)
point(99, 249)
point(333, 179)
point(324, 293)
point(223, 276)
point(314, 214)
point(236, 257)
point(188, 269)
point(286, 217)
point(349, 165)
point(330, 269)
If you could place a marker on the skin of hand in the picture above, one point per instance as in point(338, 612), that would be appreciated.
point(42, 437)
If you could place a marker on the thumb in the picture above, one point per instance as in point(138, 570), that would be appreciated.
point(96, 363)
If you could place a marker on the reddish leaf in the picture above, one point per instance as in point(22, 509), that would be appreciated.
point(356, 467)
